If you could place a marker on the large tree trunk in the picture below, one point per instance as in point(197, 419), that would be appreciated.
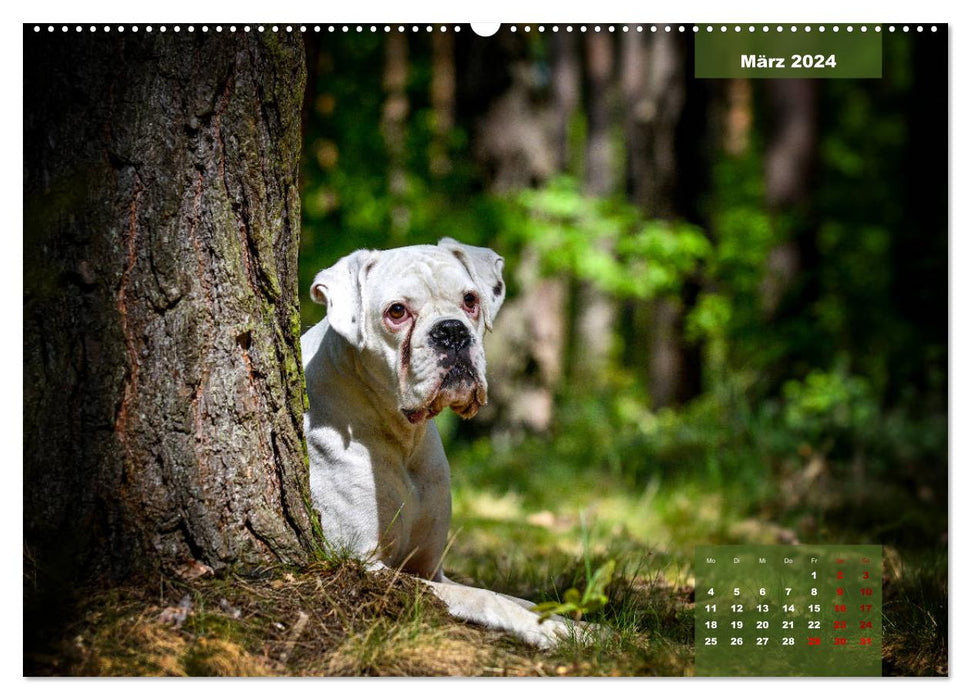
point(163, 392)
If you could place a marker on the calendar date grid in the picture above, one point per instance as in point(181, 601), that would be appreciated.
point(807, 611)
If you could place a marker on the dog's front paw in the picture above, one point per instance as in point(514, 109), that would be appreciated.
point(548, 633)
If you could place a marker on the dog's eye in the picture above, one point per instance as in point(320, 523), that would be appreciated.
point(471, 301)
point(396, 312)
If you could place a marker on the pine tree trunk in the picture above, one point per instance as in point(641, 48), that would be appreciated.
point(163, 392)
point(737, 118)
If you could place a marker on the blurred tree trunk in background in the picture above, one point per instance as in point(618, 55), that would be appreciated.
point(394, 129)
point(596, 310)
point(790, 163)
point(654, 95)
point(654, 92)
point(602, 161)
point(516, 131)
point(519, 145)
point(565, 70)
point(443, 101)
point(737, 117)
point(163, 395)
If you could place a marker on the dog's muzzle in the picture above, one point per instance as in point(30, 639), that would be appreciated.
point(452, 339)
point(460, 387)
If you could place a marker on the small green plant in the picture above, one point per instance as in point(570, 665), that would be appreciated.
point(575, 604)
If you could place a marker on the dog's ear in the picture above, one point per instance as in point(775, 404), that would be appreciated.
point(485, 267)
point(341, 287)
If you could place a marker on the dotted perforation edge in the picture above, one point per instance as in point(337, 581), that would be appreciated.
point(512, 28)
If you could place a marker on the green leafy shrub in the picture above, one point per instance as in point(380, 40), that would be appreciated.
point(604, 241)
point(827, 406)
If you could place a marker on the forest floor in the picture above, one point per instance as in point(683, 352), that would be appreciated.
point(334, 618)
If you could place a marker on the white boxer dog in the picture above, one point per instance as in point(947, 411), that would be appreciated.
point(401, 342)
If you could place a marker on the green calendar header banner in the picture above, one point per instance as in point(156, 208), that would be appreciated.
point(788, 54)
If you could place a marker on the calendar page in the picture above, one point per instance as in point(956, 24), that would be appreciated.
point(604, 346)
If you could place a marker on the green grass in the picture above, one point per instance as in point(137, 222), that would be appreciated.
point(915, 616)
point(531, 521)
point(534, 523)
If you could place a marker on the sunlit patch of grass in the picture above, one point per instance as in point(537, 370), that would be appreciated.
point(516, 535)
point(646, 627)
point(502, 538)
point(537, 548)
point(410, 647)
point(487, 504)
point(121, 635)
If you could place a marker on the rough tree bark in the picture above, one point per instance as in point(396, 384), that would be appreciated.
point(163, 390)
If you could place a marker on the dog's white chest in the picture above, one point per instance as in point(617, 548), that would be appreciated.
point(415, 500)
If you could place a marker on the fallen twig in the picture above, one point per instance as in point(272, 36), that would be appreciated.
point(298, 628)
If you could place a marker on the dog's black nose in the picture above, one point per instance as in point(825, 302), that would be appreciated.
point(450, 334)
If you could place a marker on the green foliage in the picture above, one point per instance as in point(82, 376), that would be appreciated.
point(846, 358)
point(576, 604)
point(828, 404)
point(604, 241)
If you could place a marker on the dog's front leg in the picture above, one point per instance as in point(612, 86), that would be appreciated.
point(496, 611)
point(500, 612)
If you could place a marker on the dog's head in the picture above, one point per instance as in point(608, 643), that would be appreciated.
point(417, 315)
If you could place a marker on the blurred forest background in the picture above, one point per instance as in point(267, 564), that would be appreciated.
point(728, 303)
